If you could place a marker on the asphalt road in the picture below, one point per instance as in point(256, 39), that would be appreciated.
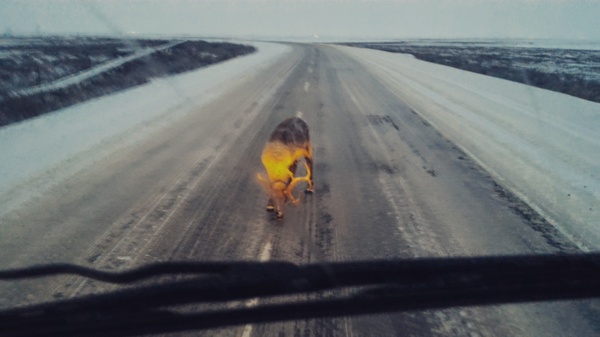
point(387, 185)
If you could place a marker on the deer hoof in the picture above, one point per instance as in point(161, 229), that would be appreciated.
point(279, 214)
point(309, 191)
point(270, 208)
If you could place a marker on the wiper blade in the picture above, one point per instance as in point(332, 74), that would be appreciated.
point(332, 289)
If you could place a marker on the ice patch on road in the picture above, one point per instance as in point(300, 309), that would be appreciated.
point(542, 145)
point(30, 148)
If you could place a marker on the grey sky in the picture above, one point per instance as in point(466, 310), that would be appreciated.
point(577, 19)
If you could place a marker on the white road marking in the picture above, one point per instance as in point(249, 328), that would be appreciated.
point(247, 331)
point(265, 255)
point(306, 86)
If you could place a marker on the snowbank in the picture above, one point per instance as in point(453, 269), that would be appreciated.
point(544, 146)
point(33, 147)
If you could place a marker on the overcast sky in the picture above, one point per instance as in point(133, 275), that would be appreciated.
point(564, 19)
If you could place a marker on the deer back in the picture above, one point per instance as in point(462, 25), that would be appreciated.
point(292, 131)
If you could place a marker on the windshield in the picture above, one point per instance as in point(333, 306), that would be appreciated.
point(136, 132)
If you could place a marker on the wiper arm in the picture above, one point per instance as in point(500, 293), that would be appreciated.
point(333, 289)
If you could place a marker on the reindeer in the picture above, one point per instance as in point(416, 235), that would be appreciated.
point(288, 143)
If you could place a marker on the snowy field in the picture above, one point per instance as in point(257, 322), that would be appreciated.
point(40, 75)
point(78, 77)
point(563, 66)
point(27, 62)
point(83, 133)
point(542, 145)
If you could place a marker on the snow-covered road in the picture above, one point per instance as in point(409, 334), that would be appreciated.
point(543, 145)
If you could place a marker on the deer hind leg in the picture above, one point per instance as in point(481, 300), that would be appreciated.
point(309, 168)
point(270, 205)
point(292, 168)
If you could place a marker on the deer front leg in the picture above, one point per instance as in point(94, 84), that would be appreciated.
point(278, 209)
point(274, 207)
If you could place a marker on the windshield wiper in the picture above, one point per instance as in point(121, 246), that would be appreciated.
point(319, 290)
